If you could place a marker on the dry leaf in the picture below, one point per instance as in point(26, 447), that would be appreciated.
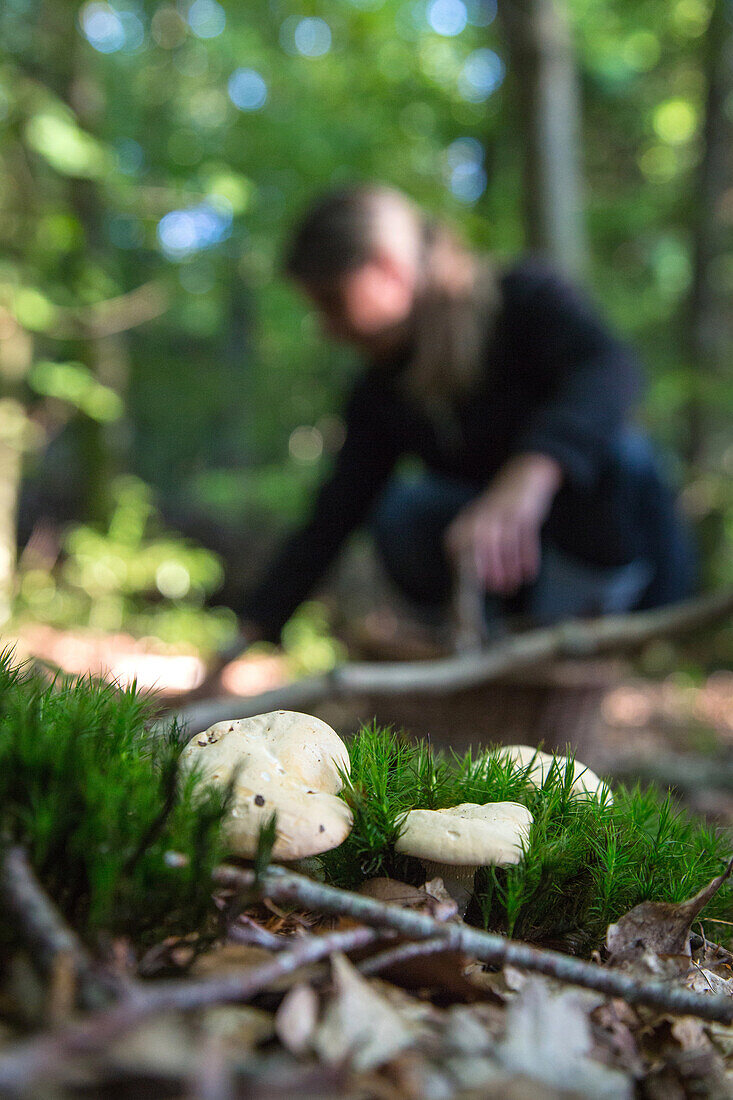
point(548, 1038)
point(433, 897)
point(689, 1032)
point(393, 892)
point(161, 1045)
point(359, 1024)
point(615, 1027)
point(227, 957)
point(238, 1025)
point(702, 980)
point(296, 1019)
point(659, 928)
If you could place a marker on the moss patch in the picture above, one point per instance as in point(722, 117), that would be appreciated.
point(118, 841)
point(587, 862)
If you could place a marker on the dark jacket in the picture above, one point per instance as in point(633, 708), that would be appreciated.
point(555, 381)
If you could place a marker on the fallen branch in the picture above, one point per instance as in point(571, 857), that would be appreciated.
point(48, 1053)
point(40, 925)
point(681, 770)
point(286, 887)
point(572, 639)
point(301, 694)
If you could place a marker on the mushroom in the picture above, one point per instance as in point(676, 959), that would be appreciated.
point(284, 763)
point(454, 842)
point(538, 765)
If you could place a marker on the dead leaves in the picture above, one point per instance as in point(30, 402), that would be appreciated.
point(549, 1039)
point(659, 929)
point(359, 1025)
point(513, 1034)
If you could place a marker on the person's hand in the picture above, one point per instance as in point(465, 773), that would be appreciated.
point(499, 533)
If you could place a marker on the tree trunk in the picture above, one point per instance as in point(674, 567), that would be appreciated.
point(709, 321)
point(547, 103)
point(16, 352)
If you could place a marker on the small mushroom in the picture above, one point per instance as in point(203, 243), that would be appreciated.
point(454, 842)
point(538, 765)
point(285, 763)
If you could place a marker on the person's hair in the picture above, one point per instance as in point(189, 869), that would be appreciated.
point(457, 294)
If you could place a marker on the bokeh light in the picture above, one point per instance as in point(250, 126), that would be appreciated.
point(312, 37)
point(130, 156)
point(102, 26)
point(447, 17)
point(182, 233)
point(134, 30)
point(464, 169)
point(172, 580)
point(206, 18)
point(482, 73)
point(675, 121)
point(305, 445)
point(168, 28)
point(247, 89)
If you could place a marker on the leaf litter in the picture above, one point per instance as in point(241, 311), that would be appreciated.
point(455, 1029)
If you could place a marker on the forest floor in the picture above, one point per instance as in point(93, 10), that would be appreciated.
point(440, 1026)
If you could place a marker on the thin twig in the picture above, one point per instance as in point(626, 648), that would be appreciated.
point(402, 953)
point(41, 926)
point(248, 932)
point(576, 638)
point(47, 1053)
point(285, 886)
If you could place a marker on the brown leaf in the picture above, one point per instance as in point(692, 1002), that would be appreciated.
point(393, 892)
point(614, 1028)
point(441, 972)
point(659, 928)
point(227, 957)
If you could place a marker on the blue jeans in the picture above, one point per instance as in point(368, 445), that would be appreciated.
point(617, 546)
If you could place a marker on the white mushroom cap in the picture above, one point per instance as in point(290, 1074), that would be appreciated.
point(468, 835)
point(539, 764)
point(285, 763)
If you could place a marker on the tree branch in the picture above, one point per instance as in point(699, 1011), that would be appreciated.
point(40, 925)
point(286, 887)
point(575, 638)
point(46, 1054)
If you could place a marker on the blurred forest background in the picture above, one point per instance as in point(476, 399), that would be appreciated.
point(165, 394)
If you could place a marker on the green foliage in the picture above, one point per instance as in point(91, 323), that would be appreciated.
point(143, 126)
point(130, 577)
point(265, 844)
point(587, 861)
point(121, 843)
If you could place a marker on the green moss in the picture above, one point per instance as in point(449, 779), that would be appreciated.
point(119, 842)
point(587, 861)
